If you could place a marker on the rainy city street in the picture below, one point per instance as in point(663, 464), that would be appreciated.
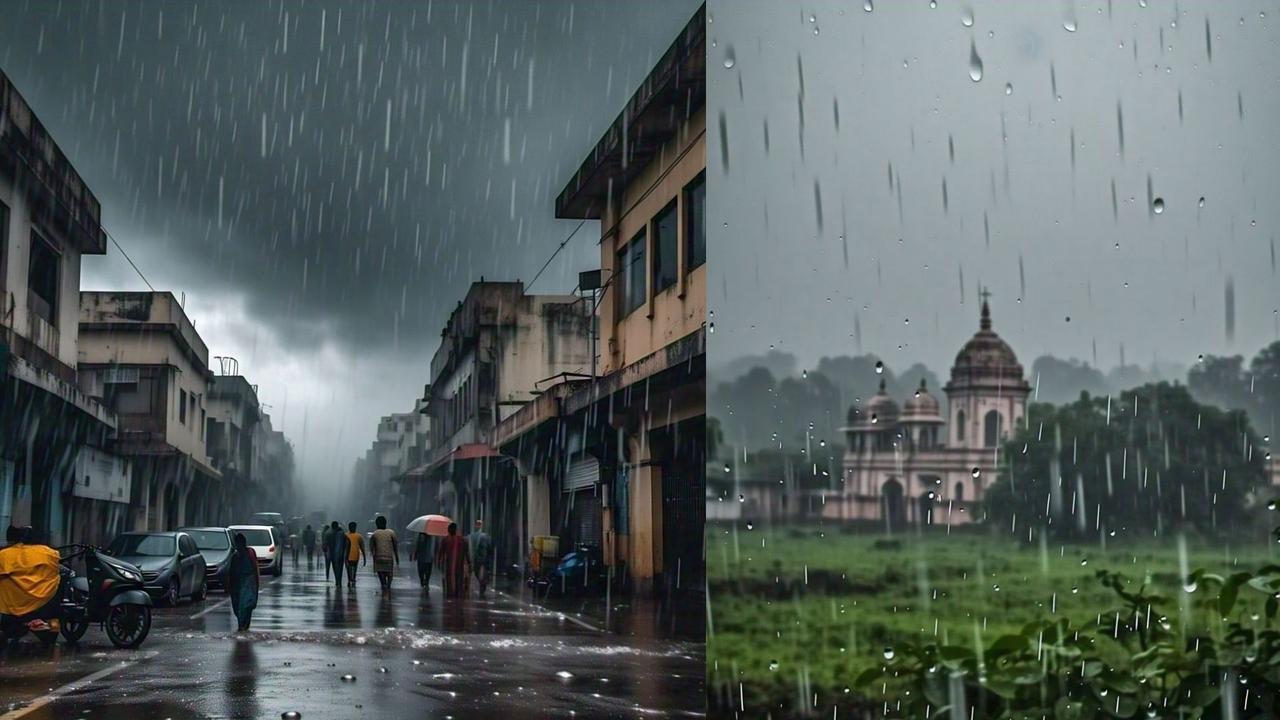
point(406, 655)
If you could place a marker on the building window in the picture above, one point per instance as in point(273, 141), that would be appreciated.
point(42, 280)
point(666, 244)
point(182, 406)
point(960, 426)
point(631, 275)
point(991, 429)
point(695, 218)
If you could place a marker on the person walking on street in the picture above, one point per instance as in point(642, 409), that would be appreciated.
point(424, 551)
point(309, 542)
point(337, 551)
point(386, 552)
point(242, 582)
point(325, 546)
point(481, 555)
point(355, 552)
point(451, 556)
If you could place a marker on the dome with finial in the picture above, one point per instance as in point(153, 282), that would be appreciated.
point(922, 406)
point(880, 410)
point(986, 359)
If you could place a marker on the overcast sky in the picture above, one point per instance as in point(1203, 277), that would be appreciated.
point(841, 214)
point(324, 179)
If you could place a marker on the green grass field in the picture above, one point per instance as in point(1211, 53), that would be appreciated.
point(795, 611)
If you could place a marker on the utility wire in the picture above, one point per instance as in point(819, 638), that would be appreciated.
point(126, 257)
point(557, 252)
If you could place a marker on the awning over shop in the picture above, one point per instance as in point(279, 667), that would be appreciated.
point(467, 451)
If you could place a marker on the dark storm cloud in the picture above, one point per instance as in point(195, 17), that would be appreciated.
point(348, 167)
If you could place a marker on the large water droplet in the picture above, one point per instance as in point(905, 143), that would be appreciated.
point(966, 17)
point(1069, 25)
point(773, 665)
point(349, 678)
point(975, 63)
point(888, 653)
point(976, 472)
point(291, 715)
point(564, 675)
point(1157, 206)
point(1008, 88)
point(879, 367)
point(1201, 202)
point(868, 6)
point(730, 58)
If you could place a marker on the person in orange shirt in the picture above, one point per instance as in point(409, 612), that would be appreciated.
point(29, 580)
point(355, 551)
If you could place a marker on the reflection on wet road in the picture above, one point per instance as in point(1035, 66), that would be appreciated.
point(410, 655)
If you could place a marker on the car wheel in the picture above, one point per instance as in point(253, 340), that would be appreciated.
point(171, 593)
point(201, 591)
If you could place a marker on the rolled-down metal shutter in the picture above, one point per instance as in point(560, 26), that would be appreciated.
point(582, 474)
point(586, 517)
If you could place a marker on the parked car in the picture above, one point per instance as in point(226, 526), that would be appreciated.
point(273, 519)
point(266, 545)
point(171, 565)
point(214, 544)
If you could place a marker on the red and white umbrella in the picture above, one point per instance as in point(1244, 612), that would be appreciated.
point(431, 525)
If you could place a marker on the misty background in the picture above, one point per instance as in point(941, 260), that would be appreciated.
point(1106, 169)
point(321, 181)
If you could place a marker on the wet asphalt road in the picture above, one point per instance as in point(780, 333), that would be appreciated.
point(412, 655)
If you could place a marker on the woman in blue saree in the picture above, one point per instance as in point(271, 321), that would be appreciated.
point(242, 581)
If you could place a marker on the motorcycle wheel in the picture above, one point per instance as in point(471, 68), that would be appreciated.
point(127, 625)
point(72, 631)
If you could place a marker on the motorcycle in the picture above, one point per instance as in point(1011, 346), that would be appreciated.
point(579, 571)
point(110, 594)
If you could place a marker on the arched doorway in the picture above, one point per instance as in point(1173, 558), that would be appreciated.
point(892, 507)
point(991, 429)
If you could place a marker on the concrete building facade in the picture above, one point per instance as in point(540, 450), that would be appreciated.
point(49, 219)
point(140, 354)
point(617, 459)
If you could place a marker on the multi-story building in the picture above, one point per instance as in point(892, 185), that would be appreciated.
point(618, 460)
point(272, 471)
point(142, 356)
point(50, 430)
point(500, 348)
point(920, 464)
point(233, 418)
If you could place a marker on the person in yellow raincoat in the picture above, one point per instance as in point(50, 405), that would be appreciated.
point(29, 578)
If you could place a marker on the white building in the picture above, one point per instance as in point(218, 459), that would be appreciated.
point(916, 465)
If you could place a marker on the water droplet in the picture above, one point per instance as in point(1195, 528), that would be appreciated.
point(1075, 590)
point(888, 653)
point(382, 669)
point(291, 715)
point(1069, 25)
point(966, 17)
point(813, 18)
point(564, 675)
point(773, 666)
point(1008, 88)
point(1199, 358)
point(727, 468)
point(751, 526)
point(868, 6)
point(933, 4)
point(348, 678)
point(1189, 586)
point(976, 471)
point(742, 498)
point(975, 63)
point(1202, 202)
point(1273, 505)
point(874, 419)
point(879, 367)
point(995, 588)
point(1084, 562)
point(1157, 205)
point(730, 58)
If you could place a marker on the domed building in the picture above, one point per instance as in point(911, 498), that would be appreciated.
point(920, 464)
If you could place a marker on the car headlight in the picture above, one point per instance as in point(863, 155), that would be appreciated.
point(130, 575)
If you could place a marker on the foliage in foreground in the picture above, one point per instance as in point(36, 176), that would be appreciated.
point(1051, 669)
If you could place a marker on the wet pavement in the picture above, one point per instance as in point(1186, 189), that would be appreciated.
point(410, 655)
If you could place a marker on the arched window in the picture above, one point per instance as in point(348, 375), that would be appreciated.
point(960, 426)
point(991, 429)
point(959, 496)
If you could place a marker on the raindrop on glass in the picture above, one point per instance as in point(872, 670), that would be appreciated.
point(1201, 202)
point(966, 17)
point(348, 678)
point(1069, 25)
point(975, 63)
point(888, 653)
point(1157, 206)
point(1008, 88)
point(730, 59)
point(976, 472)
point(773, 666)
point(868, 6)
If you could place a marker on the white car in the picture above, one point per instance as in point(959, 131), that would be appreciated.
point(265, 544)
